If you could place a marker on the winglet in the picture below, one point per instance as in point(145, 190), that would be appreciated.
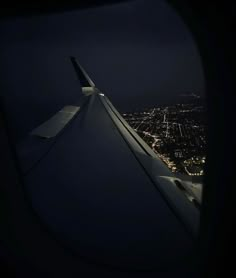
point(88, 87)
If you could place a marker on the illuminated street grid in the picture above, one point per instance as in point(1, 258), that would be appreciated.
point(177, 133)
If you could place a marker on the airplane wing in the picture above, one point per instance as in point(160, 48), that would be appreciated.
point(100, 189)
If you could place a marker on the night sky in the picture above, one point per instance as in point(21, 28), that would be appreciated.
point(138, 53)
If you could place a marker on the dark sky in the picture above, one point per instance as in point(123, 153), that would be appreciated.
point(138, 53)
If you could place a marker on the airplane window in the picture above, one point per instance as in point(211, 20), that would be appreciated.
point(113, 165)
point(147, 64)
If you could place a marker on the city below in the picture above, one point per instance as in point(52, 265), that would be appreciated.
point(176, 133)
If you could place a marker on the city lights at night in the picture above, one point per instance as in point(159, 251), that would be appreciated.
point(176, 132)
